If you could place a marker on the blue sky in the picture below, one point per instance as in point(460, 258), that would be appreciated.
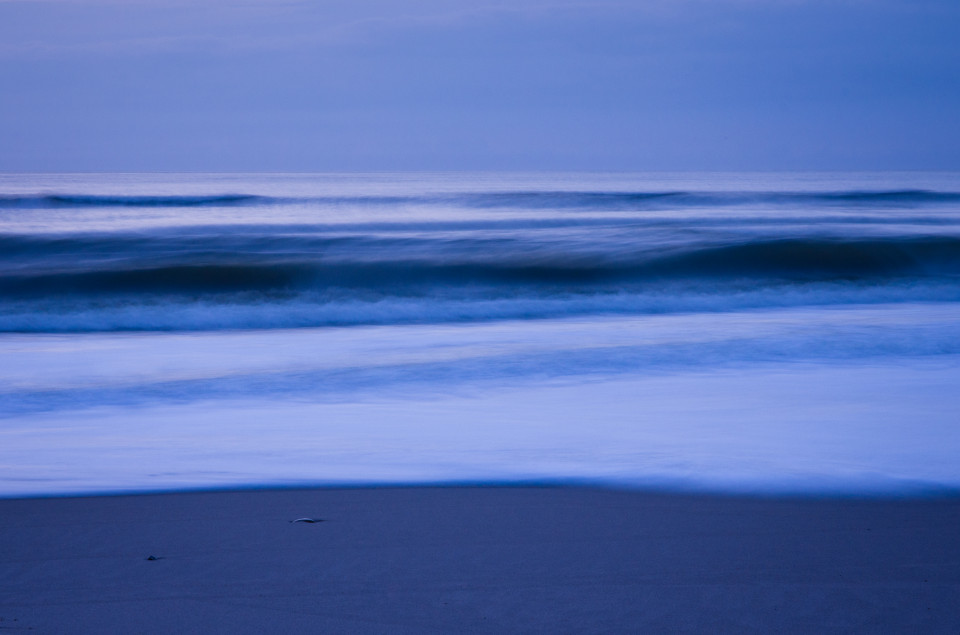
point(237, 85)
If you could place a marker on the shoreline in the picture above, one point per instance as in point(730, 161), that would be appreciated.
point(892, 490)
point(468, 558)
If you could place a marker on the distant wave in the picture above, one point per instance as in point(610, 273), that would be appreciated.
point(597, 200)
point(83, 200)
point(631, 200)
point(891, 196)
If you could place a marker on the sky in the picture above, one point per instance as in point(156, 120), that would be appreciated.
point(371, 85)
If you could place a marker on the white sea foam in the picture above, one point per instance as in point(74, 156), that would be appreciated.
point(887, 429)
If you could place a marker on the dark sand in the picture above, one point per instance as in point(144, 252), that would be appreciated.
point(462, 559)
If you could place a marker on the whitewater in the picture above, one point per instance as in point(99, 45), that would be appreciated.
point(772, 333)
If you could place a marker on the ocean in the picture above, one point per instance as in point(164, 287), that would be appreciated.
point(782, 333)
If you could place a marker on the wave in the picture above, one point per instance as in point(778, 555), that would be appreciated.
point(890, 196)
point(417, 265)
point(632, 200)
point(297, 263)
point(47, 201)
point(597, 200)
point(305, 310)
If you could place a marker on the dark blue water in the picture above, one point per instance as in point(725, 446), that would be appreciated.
point(267, 253)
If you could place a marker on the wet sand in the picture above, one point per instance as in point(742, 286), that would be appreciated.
point(477, 559)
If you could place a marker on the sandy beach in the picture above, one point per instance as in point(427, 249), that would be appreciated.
point(477, 559)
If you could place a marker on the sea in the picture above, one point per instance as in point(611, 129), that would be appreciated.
point(742, 333)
